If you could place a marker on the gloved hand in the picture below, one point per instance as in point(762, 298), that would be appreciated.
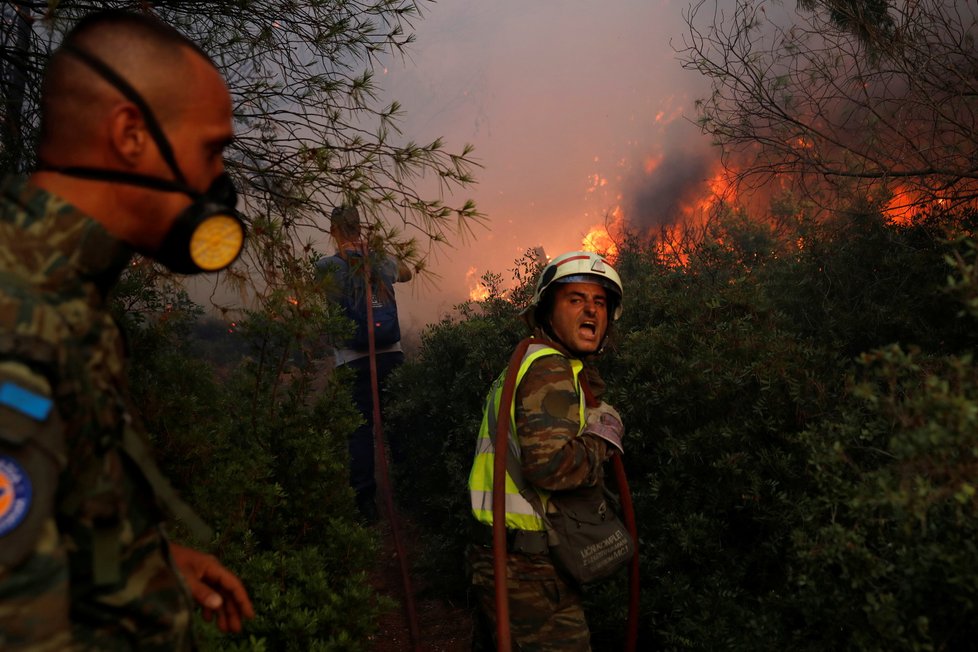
point(604, 421)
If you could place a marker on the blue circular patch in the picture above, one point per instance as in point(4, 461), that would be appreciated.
point(15, 494)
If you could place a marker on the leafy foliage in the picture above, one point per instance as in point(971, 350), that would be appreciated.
point(800, 403)
point(310, 132)
point(888, 563)
point(850, 98)
point(258, 447)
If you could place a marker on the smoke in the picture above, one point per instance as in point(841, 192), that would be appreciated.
point(668, 194)
point(566, 104)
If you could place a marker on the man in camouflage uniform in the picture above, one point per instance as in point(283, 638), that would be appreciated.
point(84, 563)
point(561, 446)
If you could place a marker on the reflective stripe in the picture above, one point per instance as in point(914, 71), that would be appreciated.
point(515, 503)
point(34, 405)
point(484, 445)
point(513, 521)
point(481, 476)
point(520, 513)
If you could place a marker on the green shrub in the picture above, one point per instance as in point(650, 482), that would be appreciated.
point(436, 402)
point(790, 493)
point(262, 457)
point(887, 558)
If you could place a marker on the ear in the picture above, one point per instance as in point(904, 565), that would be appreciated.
point(127, 133)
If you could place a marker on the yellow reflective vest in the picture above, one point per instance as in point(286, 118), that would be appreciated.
point(520, 514)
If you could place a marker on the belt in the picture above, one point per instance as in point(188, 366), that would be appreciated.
point(528, 542)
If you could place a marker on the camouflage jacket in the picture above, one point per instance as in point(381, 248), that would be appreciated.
point(83, 561)
point(554, 457)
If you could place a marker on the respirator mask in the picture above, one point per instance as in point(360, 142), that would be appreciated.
point(209, 234)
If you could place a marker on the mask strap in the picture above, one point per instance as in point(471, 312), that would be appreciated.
point(111, 76)
point(118, 176)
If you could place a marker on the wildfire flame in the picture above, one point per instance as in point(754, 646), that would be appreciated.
point(477, 291)
point(693, 211)
point(719, 188)
point(690, 211)
point(651, 163)
point(671, 245)
point(901, 208)
point(601, 239)
point(672, 239)
point(907, 203)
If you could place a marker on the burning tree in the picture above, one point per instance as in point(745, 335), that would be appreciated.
point(877, 99)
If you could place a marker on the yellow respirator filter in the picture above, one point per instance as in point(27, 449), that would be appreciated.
point(216, 242)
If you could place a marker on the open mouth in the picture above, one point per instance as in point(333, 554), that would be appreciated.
point(589, 329)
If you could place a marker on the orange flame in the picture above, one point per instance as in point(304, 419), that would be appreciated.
point(907, 203)
point(477, 290)
point(601, 239)
point(651, 163)
point(693, 211)
point(719, 188)
point(670, 246)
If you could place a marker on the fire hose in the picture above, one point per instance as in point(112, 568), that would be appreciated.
point(381, 454)
point(503, 641)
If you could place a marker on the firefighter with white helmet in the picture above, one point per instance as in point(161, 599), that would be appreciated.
point(560, 443)
point(574, 267)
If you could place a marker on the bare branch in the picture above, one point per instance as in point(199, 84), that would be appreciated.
point(838, 93)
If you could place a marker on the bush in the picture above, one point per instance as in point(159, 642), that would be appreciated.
point(262, 457)
point(791, 492)
point(437, 400)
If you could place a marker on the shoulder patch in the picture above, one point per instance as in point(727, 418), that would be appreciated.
point(29, 403)
point(16, 494)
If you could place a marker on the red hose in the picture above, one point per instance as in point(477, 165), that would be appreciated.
point(503, 643)
point(628, 511)
point(381, 454)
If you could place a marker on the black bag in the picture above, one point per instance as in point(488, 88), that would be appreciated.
point(588, 541)
point(387, 330)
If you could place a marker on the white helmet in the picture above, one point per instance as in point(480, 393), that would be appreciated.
point(576, 267)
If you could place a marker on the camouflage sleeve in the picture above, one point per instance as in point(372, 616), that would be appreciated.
point(547, 423)
point(33, 561)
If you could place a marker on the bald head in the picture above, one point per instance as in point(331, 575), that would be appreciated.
point(134, 123)
point(155, 59)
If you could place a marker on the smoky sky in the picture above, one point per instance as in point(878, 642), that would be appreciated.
point(661, 198)
point(576, 109)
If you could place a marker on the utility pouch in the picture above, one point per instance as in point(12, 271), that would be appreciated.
point(588, 541)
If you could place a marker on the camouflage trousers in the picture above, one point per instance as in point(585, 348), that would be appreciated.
point(545, 612)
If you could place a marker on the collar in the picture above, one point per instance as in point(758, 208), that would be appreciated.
point(589, 375)
point(62, 241)
point(541, 334)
